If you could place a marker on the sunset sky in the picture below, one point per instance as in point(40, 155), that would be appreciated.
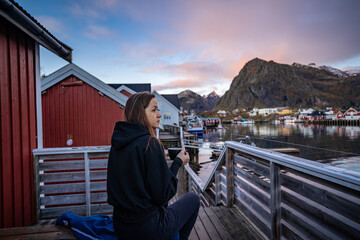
point(199, 45)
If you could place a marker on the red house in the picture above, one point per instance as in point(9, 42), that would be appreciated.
point(79, 109)
point(340, 115)
point(20, 109)
point(352, 114)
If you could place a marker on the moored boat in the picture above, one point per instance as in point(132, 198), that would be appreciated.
point(243, 121)
point(194, 126)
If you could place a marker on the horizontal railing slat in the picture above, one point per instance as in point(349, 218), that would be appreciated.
point(72, 176)
point(252, 165)
point(61, 165)
point(254, 191)
point(71, 187)
point(62, 156)
point(72, 199)
point(256, 180)
point(252, 201)
point(71, 165)
point(79, 210)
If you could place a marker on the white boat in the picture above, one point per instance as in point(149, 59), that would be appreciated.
point(288, 119)
point(195, 126)
point(244, 121)
point(220, 126)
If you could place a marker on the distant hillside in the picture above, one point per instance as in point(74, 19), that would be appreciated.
point(190, 100)
point(269, 84)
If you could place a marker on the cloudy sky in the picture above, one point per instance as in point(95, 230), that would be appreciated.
point(196, 44)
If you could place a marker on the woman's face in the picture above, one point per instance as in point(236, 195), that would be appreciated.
point(152, 113)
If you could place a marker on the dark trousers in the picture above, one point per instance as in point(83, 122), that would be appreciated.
point(179, 217)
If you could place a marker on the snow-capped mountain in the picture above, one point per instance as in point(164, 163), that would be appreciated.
point(335, 71)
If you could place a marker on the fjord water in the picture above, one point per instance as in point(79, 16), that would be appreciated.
point(333, 145)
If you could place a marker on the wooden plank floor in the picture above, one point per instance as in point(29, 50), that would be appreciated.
point(45, 229)
point(212, 223)
point(222, 223)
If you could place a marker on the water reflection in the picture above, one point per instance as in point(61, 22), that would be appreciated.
point(333, 145)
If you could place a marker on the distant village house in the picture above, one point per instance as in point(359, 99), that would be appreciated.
point(169, 108)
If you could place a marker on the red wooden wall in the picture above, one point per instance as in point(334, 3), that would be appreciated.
point(79, 112)
point(17, 126)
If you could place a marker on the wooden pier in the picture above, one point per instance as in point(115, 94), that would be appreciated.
point(252, 193)
point(170, 136)
point(45, 229)
point(222, 223)
point(337, 122)
point(212, 223)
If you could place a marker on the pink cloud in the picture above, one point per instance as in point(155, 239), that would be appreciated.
point(282, 31)
point(180, 83)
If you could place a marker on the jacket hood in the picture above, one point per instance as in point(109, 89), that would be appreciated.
point(126, 132)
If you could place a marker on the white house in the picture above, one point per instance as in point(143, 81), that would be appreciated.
point(305, 111)
point(253, 112)
point(221, 113)
point(329, 111)
point(267, 111)
point(169, 109)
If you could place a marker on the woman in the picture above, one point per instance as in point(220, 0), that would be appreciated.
point(139, 182)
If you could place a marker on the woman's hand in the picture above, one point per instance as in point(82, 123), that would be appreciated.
point(184, 156)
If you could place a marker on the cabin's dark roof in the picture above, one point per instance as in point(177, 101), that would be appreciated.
point(8, 8)
point(173, 99)
point(137, 87)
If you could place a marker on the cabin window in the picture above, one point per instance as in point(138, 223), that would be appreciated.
point(167, 115)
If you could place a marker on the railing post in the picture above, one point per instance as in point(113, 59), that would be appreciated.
point(275, 195)
point(229, 178)
point(217, 187)
point(37, 187)
point(87, 184)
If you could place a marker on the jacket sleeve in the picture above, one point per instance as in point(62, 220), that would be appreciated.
point(161, 183)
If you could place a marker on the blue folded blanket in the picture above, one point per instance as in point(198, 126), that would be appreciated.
point(91, 227)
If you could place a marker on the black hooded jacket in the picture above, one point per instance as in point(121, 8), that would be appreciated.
point(139, 180)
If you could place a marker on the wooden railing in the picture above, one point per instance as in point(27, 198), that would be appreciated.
point(70, 179)
point(282, 195)
point(173, 129)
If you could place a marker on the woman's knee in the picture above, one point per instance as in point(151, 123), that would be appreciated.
point(194, 198)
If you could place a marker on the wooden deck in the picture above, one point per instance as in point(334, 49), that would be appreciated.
point(45, 229)
point(212, 223)
point(222, 223)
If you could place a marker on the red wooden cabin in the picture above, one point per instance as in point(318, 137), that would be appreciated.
point(20, 108)
point(79, 109)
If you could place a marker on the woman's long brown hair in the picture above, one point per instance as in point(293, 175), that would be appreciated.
point(135, 109)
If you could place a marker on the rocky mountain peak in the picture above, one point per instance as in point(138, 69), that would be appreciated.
point(190, 100)
point(263, 83)
point(213, 94)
